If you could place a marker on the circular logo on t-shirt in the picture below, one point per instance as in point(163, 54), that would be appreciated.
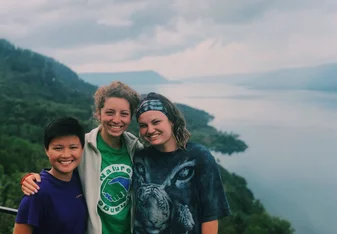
point(115, 185)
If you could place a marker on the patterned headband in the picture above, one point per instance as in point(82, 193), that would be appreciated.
point(148, 105)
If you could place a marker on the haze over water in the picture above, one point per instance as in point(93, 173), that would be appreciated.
point(290, 164)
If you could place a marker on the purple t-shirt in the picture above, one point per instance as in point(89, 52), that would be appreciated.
point(58, 207)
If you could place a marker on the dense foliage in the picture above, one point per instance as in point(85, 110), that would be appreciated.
point(35, 89)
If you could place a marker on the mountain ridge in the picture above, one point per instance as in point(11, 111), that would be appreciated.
point(141, 77)
point(322, 77)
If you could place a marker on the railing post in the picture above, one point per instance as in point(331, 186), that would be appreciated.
point(7, 210)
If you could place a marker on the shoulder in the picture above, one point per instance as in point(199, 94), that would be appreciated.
point(200, 152)
point(92, 135)
point(29, 207)
point(26, 200)
point(143, 150)
point(37, 200)
point(46, 184)
point(132, 140)
point(197, 148)
point(128, 136)
point(33, 207)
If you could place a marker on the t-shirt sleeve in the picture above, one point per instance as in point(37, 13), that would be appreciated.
point(212, 196)
point(29, 211)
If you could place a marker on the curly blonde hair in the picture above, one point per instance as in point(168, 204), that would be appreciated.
point(119, 90)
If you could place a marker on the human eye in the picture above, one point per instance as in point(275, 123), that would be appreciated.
point(142, 125)
point(73, 147)
point(124, 114)
point(156, 122)
point(109, 112)
point(57, 148)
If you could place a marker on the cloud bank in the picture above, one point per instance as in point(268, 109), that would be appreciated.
point(178, 38)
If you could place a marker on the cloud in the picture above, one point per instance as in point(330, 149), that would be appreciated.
point(60, 24)
point(262, 46)
point(104, 52)
point(178, 38)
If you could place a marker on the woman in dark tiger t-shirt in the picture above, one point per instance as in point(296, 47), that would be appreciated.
point(177, 184)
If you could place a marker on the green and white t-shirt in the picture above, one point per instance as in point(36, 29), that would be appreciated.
point(114, 206)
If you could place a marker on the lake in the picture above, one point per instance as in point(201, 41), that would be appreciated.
point(290, 164)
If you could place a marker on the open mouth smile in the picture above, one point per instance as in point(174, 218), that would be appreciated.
point(114, 127)
point(153, 136)
point(66, 162)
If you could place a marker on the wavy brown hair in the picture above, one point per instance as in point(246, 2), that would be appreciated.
point(180, 132)
point(119, 90)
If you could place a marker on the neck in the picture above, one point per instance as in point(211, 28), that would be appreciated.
point(61, 176)
point(169, 146)
point(113, 142)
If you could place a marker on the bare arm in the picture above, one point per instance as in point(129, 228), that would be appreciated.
point(210, 227)
point(20, 228)
point(29, 186)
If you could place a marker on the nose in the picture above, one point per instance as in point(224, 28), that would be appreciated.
point(150, 129)
point(116, 118)
point(66, 153)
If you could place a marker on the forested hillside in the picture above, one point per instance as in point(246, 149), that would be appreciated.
point(35, 89)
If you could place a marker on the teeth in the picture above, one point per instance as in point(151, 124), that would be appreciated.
point(65, 162)
point(154, 136)
point(115, 127)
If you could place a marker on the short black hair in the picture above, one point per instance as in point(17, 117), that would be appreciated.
point(64, 126)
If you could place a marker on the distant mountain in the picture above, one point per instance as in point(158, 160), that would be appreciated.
point(130, 78)
point(320, 78)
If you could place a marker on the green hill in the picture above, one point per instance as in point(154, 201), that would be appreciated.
point(35, 89)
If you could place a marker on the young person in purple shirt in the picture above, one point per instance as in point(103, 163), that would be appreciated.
point(60, 206)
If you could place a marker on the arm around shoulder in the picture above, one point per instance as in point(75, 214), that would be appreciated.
point(28, 184)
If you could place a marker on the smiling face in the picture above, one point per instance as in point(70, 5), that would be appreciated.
point(64, 155)
point(156, 129)
point(115, 118)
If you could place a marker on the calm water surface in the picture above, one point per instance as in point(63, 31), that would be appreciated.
point(292, 136)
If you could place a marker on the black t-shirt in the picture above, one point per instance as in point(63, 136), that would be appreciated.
point(176, 192)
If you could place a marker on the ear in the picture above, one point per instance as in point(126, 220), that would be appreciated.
point(98, 114)
point(46, 151)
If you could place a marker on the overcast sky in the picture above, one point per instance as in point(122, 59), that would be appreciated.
point(177, 38)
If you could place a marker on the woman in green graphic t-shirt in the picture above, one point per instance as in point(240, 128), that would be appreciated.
point(106, 167)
